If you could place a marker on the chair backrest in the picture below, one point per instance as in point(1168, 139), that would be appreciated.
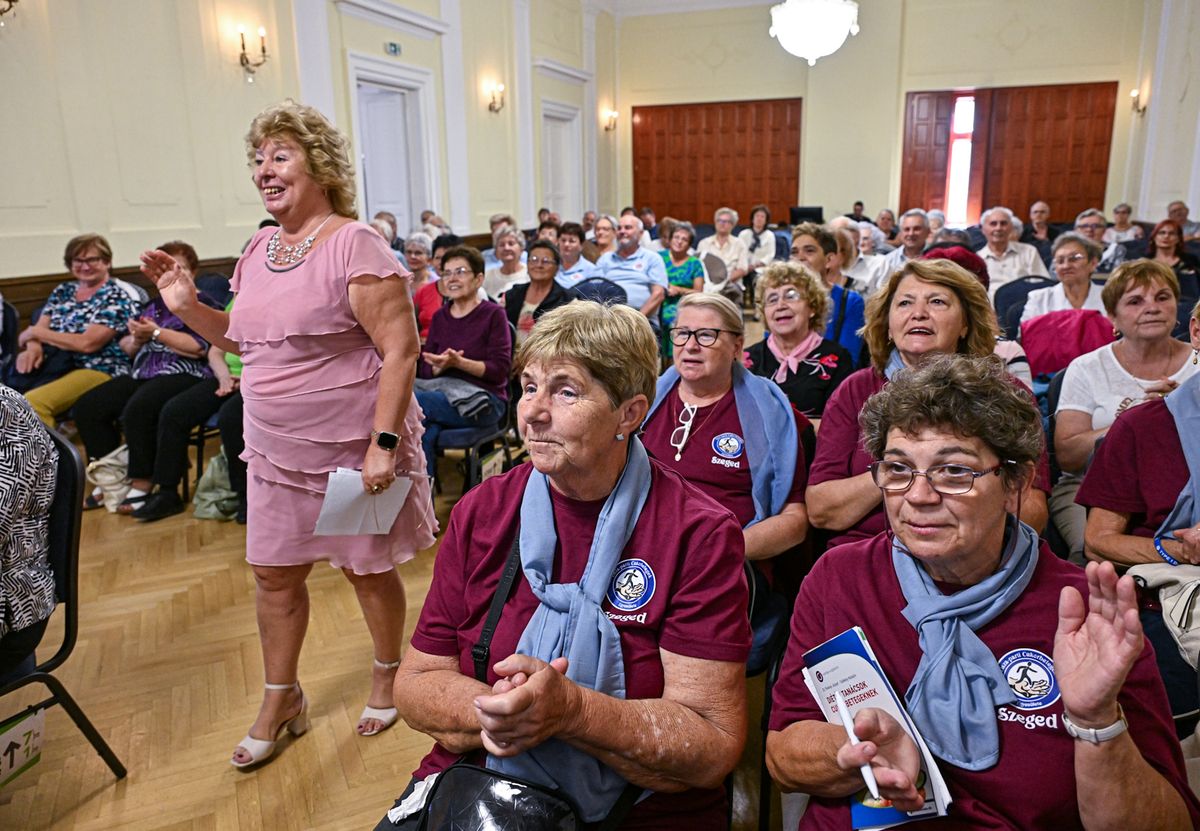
point(215, 286)
point(783, 244)
point(66, 515)
point(602, 290)
point(806, 213)
point(1013, 294)
point(8, 335)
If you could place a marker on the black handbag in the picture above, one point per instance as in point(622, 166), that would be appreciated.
point(467, 797)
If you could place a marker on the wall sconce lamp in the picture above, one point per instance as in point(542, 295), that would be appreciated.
point(496, 91)
point(249, 65)
point(610, 120)
point(7, 6)
point(1135, 98)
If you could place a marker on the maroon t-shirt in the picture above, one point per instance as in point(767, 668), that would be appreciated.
point(841, 455)
point(1139, 469)
point(481, 335)
point(1033, 784)
point(715, 458)
point(695, 601)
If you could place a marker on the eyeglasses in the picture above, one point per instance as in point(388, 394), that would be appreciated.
point(458, 272)
point(950, 480)
point(1070, 258)
point(1090, 226)
point(790, 296)
point(91, 262)
point(680, 434)
point(724, 221)
point(704, 337)
point(540, 261)
point(416, 253)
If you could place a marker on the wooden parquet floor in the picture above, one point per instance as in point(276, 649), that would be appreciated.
point(168, 668)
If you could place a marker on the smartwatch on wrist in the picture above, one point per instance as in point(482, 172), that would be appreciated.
point(384, 439)
point(1096, 735)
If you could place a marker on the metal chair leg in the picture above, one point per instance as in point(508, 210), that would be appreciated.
point(59, 695)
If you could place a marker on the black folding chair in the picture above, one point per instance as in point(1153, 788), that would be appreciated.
point(66, 513)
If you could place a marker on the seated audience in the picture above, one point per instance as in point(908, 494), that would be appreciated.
point(885, 221)
point(74, 346)
point(650, 227)
point(1007, 260)
point(575, 266)
point(794, 354)
point(1141, 489)
point(1075, 258)
point(26, 493)
point(1091, 224)
point(937, 220)
point(998, 647)
point(1122, 230)
point(685, 275)
point(1178, 212)
point(426, 297)
point(814, 246)
point(462, 377)
point(588, 224)
point(929, 307)
point(731, 251)
point(866, 271)
point(1166, 247)
point(509, 244)
point(914, 233)
point(442, 244)
point(490, 259)
point(390, 235)
point(168, 358)
point(1039, 232)
point(637, 270)
point(654, 701)
point(1145, 364)
point(547, 230)
point(526, 303)
point(760, 244)
point(857, 214)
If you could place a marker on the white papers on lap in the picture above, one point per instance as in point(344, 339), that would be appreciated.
point(348, 509)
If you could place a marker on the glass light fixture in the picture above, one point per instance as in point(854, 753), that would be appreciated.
point(812, 29)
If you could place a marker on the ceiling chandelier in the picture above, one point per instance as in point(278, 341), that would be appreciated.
point(812, 29)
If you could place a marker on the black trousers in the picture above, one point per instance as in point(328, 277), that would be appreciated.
point(181, 415)
point(125, 405)
point(18, 645)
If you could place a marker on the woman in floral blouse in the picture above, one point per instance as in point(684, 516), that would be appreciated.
point(74, 346)
point(794, 305)
point(28, 466)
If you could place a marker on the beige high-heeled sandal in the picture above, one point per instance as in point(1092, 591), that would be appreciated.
point(260, 750)
point(387, 715)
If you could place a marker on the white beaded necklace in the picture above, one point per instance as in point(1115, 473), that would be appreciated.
point(280, 253)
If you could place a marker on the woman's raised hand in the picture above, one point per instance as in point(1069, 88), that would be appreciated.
point(174, 284)
point(1096, 645)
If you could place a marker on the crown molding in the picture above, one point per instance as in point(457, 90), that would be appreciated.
point(643, 8)
point(388, 13)
point(561, 71)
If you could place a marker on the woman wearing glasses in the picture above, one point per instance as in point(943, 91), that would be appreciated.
point(795, 306)
point(462, 377)
point(729, 432)
point(926, 308)
point(525, 303)
point(1075, 258)
point(1030, 682)
point(74, 346)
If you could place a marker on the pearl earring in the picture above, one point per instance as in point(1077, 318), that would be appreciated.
point(620, 437)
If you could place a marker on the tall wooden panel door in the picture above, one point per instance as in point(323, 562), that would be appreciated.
point(1049, 143)
point(926, 160)
point(690, 159)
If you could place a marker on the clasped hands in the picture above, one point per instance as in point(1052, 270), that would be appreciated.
point(533, 701)
point(142, 329)
point(441, 361)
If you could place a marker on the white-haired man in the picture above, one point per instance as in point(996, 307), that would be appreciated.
point(1006, 259)
point(914, 233)
point(1178, 211)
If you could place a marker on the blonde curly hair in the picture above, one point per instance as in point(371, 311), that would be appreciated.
point(811, 287)
point(326, 149)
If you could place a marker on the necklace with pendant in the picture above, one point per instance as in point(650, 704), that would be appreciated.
point(280, 253)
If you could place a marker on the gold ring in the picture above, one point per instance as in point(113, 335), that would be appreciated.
point(376, 488)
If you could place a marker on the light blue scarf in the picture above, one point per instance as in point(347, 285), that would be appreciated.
point(895, 364)
point(1184, 405)
point(958, 684)
point(769, 429)
point(569, 622)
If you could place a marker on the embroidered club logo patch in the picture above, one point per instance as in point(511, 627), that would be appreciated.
point(632, 585)
point(1030, 675)
point(728, 445)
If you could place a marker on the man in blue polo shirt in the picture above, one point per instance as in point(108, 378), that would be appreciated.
point(638, 270)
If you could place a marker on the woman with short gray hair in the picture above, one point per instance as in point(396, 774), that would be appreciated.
point(1075, 258)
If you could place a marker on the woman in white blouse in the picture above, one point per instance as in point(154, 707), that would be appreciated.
point(1074, 258)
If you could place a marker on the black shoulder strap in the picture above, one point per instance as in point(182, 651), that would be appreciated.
point(839, 320)
point(482, 650)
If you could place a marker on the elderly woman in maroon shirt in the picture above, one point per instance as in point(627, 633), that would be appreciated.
point(462, 377)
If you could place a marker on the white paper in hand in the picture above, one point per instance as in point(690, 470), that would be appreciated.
point(348, 509)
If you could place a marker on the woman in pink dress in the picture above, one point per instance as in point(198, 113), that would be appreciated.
point(325, 328)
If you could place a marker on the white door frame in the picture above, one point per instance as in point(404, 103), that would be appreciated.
point(424, 162)
point(568, 113)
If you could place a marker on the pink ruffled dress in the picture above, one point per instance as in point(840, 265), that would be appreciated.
point(310, 380)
